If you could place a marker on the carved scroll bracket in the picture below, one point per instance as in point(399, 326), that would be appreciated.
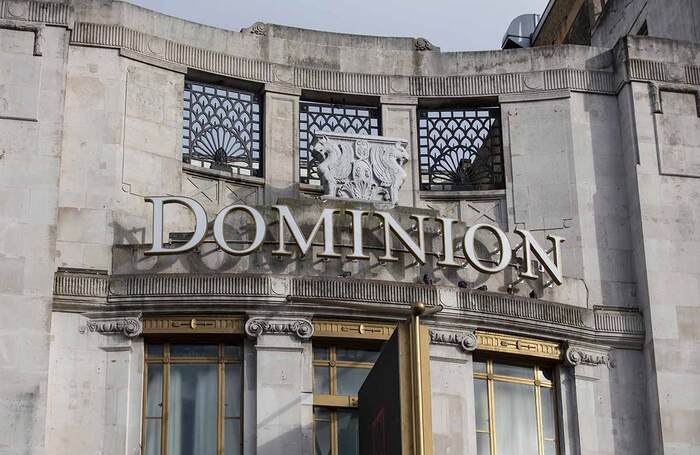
point(128, 326)
point(465, 340)
point(579, 355)
point(256, 326)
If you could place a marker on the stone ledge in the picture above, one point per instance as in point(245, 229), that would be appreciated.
point(79, 291)
point(50, 13)
point(396, 86)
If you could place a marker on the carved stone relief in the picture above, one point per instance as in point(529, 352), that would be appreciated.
point(303, 328)
point(576, 355)
point(127, 326)
point(464, 340)
point(360, 167)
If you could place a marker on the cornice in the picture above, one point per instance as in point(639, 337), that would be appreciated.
point(152, 48)
point(153, 294)
point(50, 13)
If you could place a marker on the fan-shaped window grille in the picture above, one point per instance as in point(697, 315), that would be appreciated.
point(460, 149)
point(332, 118)
point(222, 129)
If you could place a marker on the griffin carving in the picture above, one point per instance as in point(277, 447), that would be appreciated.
point(353, 166)
point(335, 160)
point(387, 164)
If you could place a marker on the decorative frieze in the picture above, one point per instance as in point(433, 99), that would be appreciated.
point(352, 329)
point(256, 326)
point(189, 284)
point(363, 291)
point(193, 325)
point(580, 80)
point(53, 13)
point(81, 283)
point(509, 344)
point(345, 82)
point(466, 340)
point(576, 355)
point(521, 307)
point(594, 81)
point(619, 320)
point(491, 84)
point(127, 326)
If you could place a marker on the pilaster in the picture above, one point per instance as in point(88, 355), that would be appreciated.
point(282, 383)
point(399, 120)
point(451, 378)
point(281, 141)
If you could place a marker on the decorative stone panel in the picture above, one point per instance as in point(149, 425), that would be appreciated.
point(495, 342)
point(192, 325)
point(351, 329)
point(578, 355)
point(466, 341)
point(360, 167)
point(127, 326)
point(256, 326)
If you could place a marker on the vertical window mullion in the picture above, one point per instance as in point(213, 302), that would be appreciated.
point(492, 405)
point(334, 432)
point(332, 370)
point(220, 403)
point(165, 398)
point(538, 411)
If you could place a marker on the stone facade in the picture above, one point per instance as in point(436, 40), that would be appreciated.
point(600, 146)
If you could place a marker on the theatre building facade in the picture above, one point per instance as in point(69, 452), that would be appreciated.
point(286, 241)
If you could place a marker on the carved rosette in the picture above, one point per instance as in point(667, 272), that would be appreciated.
point(576, 356)
point(258, 28)
point(303, 328)
point(360, 167)
point(127, 326)
point(463, 340)
point(422, 44)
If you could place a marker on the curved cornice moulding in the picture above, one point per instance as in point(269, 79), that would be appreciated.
point(112, 296)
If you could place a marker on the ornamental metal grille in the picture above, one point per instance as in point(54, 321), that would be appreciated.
point(222, 129)
point(331, 118)
point(460, 149)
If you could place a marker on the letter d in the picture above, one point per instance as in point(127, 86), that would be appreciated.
point(200, 228)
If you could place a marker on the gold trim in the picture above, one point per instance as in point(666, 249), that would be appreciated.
point(193, 325)
point(496, 342)
point(353, 330)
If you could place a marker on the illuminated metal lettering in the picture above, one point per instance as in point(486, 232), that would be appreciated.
point(219, 229)
point(413, 239)
point(448, 248)
point(503, 247)
point(286, 218)
point(530, 246)
point(390, 224)
point(357, 238)
point(200, 219)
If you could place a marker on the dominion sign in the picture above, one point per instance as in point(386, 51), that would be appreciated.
point(525, 255)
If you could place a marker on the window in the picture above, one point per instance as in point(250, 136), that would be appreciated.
point(221, 129)
point(333, 118)
point(192, 402)
point(338, 375)
point(460, 149)
point(515, 409)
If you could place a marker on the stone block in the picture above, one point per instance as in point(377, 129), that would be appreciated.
point(83, 225)
point(20, 76)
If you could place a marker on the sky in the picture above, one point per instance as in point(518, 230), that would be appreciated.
point(453, 25)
